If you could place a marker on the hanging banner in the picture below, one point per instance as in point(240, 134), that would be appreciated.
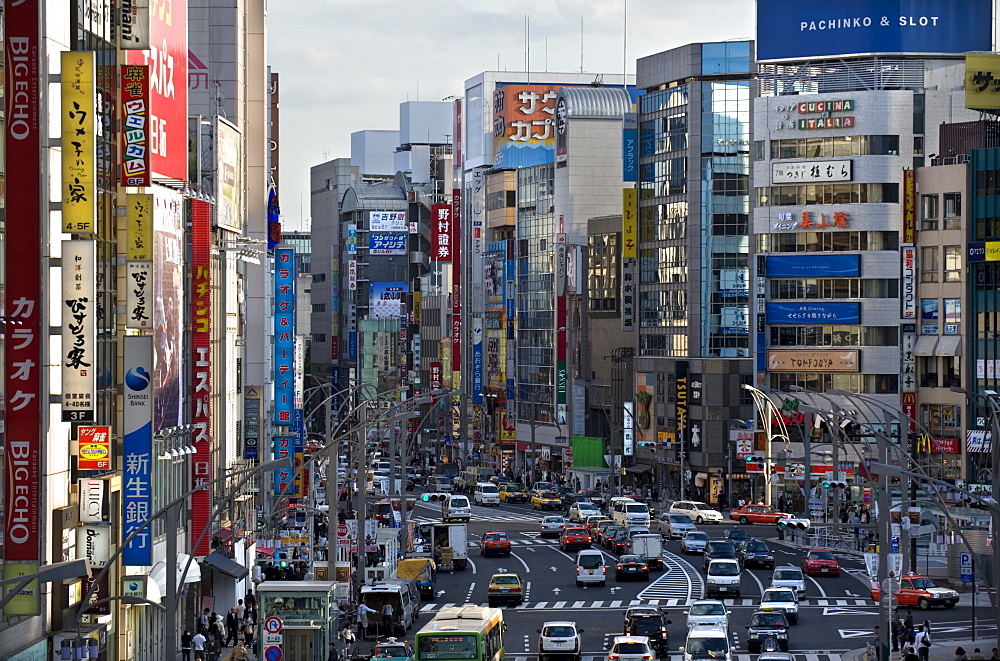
point(201, 371)
point(79, 141)
point(135, 125)
point(137, 496)
point(229, 182)
point(441, 234)
point(909, 207)
point(284, 447)
point(477, 360)
point(251, 423)
point(300, 379)
point(139, 252)
point(94, 448)
point(133, 24)
point(456, 295)
point(284, 335)
point(79, 329)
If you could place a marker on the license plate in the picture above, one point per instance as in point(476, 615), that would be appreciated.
point(825, 569)
point(590, 571)
point(631, 568)
point(504, 589)
point(723, 589)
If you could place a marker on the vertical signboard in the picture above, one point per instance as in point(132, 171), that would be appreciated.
point(137, 436)
point(630, 147)
point(284, 335)
point(251, 424)
point(94, 448)
point(201, 369)
point(909, 207)
point(23, 395)
point(908, 298)
point(139, 253)
point(135, 125)
point(133, 24)
point(229, 181)
point(630, 254)
point(284, 447)
point(681, 415)
point(477, 360)
point(167, 59)
point(628, 433)
point(79, 141)
point(170, 308)
point(441, 247)
point(456, 284)
point(298, 395)
point(79, 329)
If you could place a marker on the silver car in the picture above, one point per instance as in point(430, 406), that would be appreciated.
point(631, 648)
point(674, 526)
point(708, 612)
point(694, 542)
point(789, 577)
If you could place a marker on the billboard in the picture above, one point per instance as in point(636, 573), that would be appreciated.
point(94, 448)
point(790, 29)
point(229, 182)
point(78, 114)
point(135, 125)
point(387, 221)
point(79, 329)
point(982, 81)
point(811, 172)
point(201, 369)
point(385, 299)
point(813, 266)
point(137, 492)
point(524, 124)
point(387, 243)
point(456, 289)
point(812, 361)
point(133, 24)
point(139, 253)
point(814, 313)
point(284, 335)
point(24, 396)
point(441, 247)
point(168, 311)
point(167, 59)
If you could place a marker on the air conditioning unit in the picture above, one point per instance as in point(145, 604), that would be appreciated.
point(375, 575)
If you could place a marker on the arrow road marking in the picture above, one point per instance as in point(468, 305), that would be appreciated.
point(556, 591)
point(553, 569)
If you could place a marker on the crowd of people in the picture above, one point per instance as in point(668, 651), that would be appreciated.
point(213, 632)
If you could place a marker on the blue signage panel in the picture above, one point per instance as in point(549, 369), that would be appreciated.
point(813, 266)
point(137, 477)
point(284, 335)
point(284, 447)
point(814, 313)
point(477, 370)
point(792, 29)
point(630, 155)
point(387, 243)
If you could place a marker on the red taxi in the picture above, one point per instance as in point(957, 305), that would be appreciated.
point(920, 591)
point(574, 538)
point(821, 562)
point(495, 542)
point(757, 514)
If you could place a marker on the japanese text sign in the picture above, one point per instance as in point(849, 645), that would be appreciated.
point(201, 368)
point(95, 448)
point(139, 251)
point(79, 141)
point(387, 221)
point(137, 497)
point(387, 243)
point(982, 81)
point(135, 125)
point(810, 171)
point(284, 335)
point(79, 329)
point(441, 234)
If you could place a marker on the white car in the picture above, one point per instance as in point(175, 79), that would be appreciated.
point(696, 511)
point(789, 577)
point(631, 648)
point(552, 526)
point(708, 612)
point(559, 639)
point(580, 511)
point(694, 542)
point(782, 600)
point(674, 526)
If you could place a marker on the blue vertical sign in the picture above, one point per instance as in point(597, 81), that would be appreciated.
point(965, 560)
point(630, 148)
point(284, 335)
point(137, 486)
point(283, 446)
point(477, 360)
point(298, 447)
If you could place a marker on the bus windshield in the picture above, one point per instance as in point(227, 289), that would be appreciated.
point(457, 646)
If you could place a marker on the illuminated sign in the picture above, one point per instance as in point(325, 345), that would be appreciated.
point(79, 141)
point(810, 220)
point(810, 171)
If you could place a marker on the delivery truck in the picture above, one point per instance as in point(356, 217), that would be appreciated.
point(423, 571)
point(650, 547)
point(446, 542)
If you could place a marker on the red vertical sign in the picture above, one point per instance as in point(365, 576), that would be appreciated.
point(23, 338)
point(201, 370)
point(456, 293)
point(135, 125)
point(441, 233)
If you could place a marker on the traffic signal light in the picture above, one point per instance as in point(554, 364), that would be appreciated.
point(755, 459)
point(434, 497)
point(793, 524)
point(834, 484)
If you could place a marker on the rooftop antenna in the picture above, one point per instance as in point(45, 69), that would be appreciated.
point(527, 46)
point(581, 43)
point(625, 43)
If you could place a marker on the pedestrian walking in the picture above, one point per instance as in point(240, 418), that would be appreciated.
point(240, 652)
point(923, 643)
point(363, 610)
point(212, 648)
point(996, 655)
point(218, 629)
point(977, 655)
point(232, 627)
point(909, 654)
point(186, 645)
point(241, 610)
point(203, 621)
point(332, 655)
point(960, 654)
point(897, 633)
point(198, 644)
point(248, 632)
point(387, 618)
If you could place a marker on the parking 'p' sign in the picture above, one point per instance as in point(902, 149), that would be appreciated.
point(273, 624)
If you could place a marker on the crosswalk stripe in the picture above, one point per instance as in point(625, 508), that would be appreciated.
point(616, 604)
point(559, 604)
point(578, 604)
point(673, 656)
point(669, 602)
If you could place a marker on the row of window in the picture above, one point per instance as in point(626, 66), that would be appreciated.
point(841, 335)
point(663, 178)
point(930, 265)
point(827, 241)
point(663, 222)
point(664, 134)
point(664, 99)
point(824, 288)
point(930, 211)
point(780, 196)
point(882, 384)
point(845, 145)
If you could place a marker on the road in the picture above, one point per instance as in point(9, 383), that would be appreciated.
point(836, 614)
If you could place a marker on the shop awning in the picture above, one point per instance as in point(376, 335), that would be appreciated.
point(159, 572)
point(949, 345)
point(925, 345)
point(638, 468)
point(226, 565)
point(266, 551)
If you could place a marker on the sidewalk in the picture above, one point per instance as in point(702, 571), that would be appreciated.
point(940, 651)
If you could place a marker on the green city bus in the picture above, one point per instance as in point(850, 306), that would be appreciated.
point(462, 633)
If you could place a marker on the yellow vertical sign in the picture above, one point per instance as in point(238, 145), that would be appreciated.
point(909, 206)
point(79, 142)
point(630, 223)
point(140, 227)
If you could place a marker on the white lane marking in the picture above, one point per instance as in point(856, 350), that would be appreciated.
point(578, 604)
point(473, 565)
point(468, 595)
point(819, 587)
point(616, 604)
point(756, 580)
point(527, 569)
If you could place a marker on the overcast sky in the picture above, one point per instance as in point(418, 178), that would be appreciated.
point(346, 65)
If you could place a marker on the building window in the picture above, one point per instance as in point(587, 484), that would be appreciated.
point(778, 196)
point(927, 367)
point(319, 277)
point(929, 264)
point(826, 288)
point(953, 211)
point(928, 212)
point(319, 307)
point(602, 277)
point(848, 145)
point(834, 336)
point(319, 337)
point(941, 419)
point(952, 310)
point(821, 382)
point(953, 263)
point(827, 241)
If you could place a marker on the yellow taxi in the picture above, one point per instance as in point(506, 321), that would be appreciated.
point(545, 500)
point(511, 492)
point(505, 588)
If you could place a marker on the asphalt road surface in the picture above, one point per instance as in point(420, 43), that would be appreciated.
point(836, 614)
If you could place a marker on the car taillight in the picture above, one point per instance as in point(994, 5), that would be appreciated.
point(493, 590)
point(577, 570)
point(645, 567)
point(620, 567)
point(613, 657)
point(647, 657)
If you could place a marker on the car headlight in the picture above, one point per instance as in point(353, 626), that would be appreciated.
point(782, 634)
point(754, 634)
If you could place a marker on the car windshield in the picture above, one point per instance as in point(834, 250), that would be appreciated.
point(702, 536)
point(722, 548)
point(757, 547)
point(708, 609)
point(788, 575)
point(778, 595)
point(447, 647)
point(642, 626)
point(495, 536)
point(680, 518)
point(768, 620)
point(585, 505)
point(505, 580)
point(488, 488)
point(576, 531)
point(702, 506)
point(715, 648)
point(558, 631)
point(590, 561)
point(391, 650)
point(631, 648)
point(820, 555)
point(923, 583)
point(547, 494)
point(461, 501)
point(638, 508)
point(724, 569)
point(553, 519)
point(630, 558)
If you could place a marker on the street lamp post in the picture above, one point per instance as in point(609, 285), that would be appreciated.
point(769, 415)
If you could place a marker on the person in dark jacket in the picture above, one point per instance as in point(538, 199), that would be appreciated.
point(186, 645)
point(232, 627)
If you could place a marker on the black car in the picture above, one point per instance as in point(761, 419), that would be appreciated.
point(764, 624)
point(621, 542)
point(632, 566)
point(736, 535)
point(649, 622)
point(755, 552)
point(719, 548)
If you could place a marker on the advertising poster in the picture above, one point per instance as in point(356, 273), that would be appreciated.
point(79, 141)
point(387, 243)
point(167, 59)
point(135, 125)
point(201, 369)
point(441, 234)
point(229, 182)
point(168, 311)
point(133, 24)
point(524, 124)
point(79, 329)
point(814, 266)
point(284, 335)
point(813, 313)
point(137, 496)
point(645, 407)
point(386, 299)
point(139, 253)
point(95, 448)
point(387, 221)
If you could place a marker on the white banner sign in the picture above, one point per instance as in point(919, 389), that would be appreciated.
point(79, 329)
point(95, 543)
point(810, 171)
point(387, 221)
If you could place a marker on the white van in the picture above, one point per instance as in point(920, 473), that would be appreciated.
point(628, 512)
point(707, 642)
point(722, 578)
point(590, 567)
point(486, 493)
point(456, 508)
point(403, 594)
